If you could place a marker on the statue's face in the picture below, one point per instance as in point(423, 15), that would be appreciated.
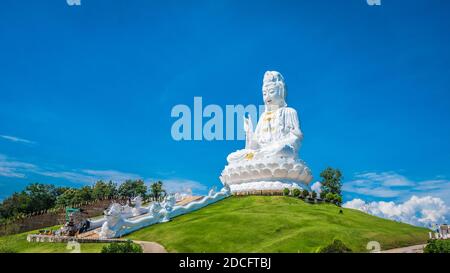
point(272, 93)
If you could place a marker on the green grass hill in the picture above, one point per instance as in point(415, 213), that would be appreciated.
point(18, 243)
point(276, 224)
point(258, 224)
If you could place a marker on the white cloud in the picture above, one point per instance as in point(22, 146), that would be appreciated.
point(89, 176)
point(317, 187)
point(372, 191)
point(18, 169)
point(113, 175)
point(68, 175)
point(436, 184)
point(386, 178)
point(12, 168)
point(419, 211)
point(8, 172)
point(183, 186)
point(17, 139)
point(392, 185)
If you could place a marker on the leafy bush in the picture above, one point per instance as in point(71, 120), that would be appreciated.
point(119, 247)
point(329, 197)
point(305, 193)
point(296, 192)
point(333, 198)
point(338, 200)
point(314, 194)
point(337, 246)
point(286, 191)
point(437, 246)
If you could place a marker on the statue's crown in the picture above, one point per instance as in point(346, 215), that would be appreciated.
point(273, 76)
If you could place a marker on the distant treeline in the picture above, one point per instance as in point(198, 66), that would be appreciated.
point(39, 197)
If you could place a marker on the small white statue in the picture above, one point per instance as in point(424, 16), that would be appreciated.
point(113, 221)
point(212, 191)
point(167, 207)
point(137, 201)
point(137, 206)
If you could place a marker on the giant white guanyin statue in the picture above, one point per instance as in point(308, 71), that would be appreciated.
point(270, 160)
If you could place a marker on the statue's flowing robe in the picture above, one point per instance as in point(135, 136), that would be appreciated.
point(277, 134)
point(279, 127)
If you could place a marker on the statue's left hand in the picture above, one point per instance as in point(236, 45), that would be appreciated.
point(248, 126)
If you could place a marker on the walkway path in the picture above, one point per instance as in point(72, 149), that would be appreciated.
point(151, 247)
point(408, 249)
point(188, 200)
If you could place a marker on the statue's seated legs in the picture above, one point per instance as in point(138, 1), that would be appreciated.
point(274, 150)
point(277, 150)
point(240, 155)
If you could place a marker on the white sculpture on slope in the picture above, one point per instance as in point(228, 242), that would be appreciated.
point(137, 208)
point(114, 221)
point(270, 158)
point(117, 225)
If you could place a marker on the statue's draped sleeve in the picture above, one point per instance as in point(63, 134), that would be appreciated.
point(292, 125)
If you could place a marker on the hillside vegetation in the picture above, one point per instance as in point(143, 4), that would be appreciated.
point(276, 224)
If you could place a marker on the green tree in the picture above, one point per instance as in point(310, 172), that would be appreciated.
point(157, 191)
point(61, 190)
point(338, 200)
point(41, 197)
point(103, 190)
point(296, 192)
point(112, 190)
point(35, 197)
point(314, 194)
point(14, 204)
point(132, 188)
point(322, 195)
point(69, 198)
point(84, 194)
point(305, 194)
point(99, 190)
point(331, 181)
point(329, 197)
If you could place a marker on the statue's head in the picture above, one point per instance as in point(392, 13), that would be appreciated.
point(274, 89)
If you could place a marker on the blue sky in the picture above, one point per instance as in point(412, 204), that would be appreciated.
point(86, 91)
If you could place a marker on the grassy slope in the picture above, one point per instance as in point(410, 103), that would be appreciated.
point(276, 224)
point(18, 243)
